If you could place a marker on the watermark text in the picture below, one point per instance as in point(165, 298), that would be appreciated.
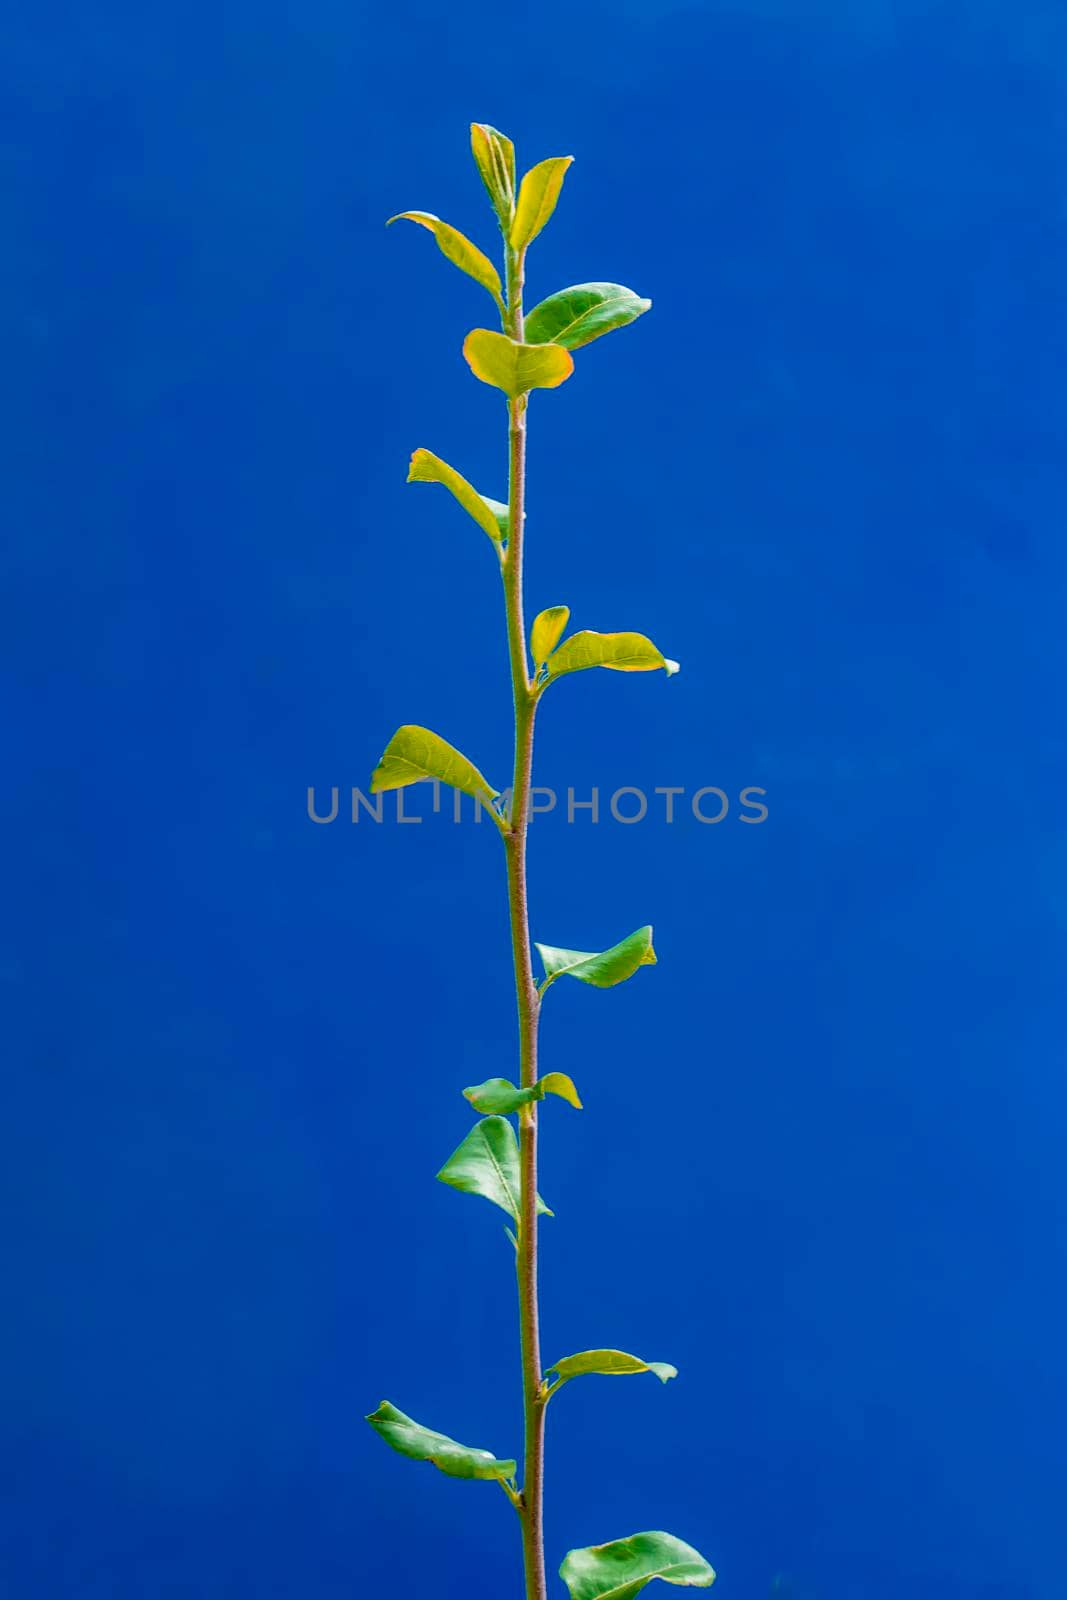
point(627, 805)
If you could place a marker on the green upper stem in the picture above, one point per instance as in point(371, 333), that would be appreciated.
point(529, 1003)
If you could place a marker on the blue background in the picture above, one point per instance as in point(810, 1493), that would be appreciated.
point(821, 1165)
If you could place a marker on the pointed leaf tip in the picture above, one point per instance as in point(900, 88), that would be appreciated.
point(500, 1097)
point(516, 368)
point(411, 1439)
point(457, 248)
point(538, 194)
point(620, 1570)
point(619, 652)
point(602, 968)
point(494, 156)
point(490, 515)
point(610, 1364)
point(414, 753)
point(487, 1164)
point(559, 1083)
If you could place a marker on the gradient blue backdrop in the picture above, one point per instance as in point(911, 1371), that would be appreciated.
point(821, 1167)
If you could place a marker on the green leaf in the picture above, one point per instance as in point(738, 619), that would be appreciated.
point(457, 248)
point(621, 652)
point(515, 368)
point(609, 1363)
point(602, 968)
point(502, 515)
point(423, 1444)
point(620, 1570)
point(538, 194)
point(425, 467)
point(413, 753)
point(494, 156)
point(487, 1163)
point(500, 1095)
point(545, 633)
point(580, 314)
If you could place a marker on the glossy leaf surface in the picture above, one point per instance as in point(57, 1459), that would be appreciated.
point(500, 1096)
point(602, 968)
point(411, 1439)
point(425, 467)
point(546, 632)
point(515, 368)
point(580, 314)
point(413, 753)
point(487, 1163)
point(538, 194)
point(457, 248)
point(610, 1364)
point(494, 156)
point(620, 652)
point(620, 1570)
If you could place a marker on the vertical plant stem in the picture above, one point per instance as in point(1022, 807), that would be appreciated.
point(531, 1509)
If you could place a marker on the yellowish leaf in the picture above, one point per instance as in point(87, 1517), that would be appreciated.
point(609, 1364)
point(513, 367)
point(427, 468)
point(545, 634)
point(494, 156)
point(413, 753)
point(559, 1083)
point(621, 652)
point(457, 248)
point(538, 194)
